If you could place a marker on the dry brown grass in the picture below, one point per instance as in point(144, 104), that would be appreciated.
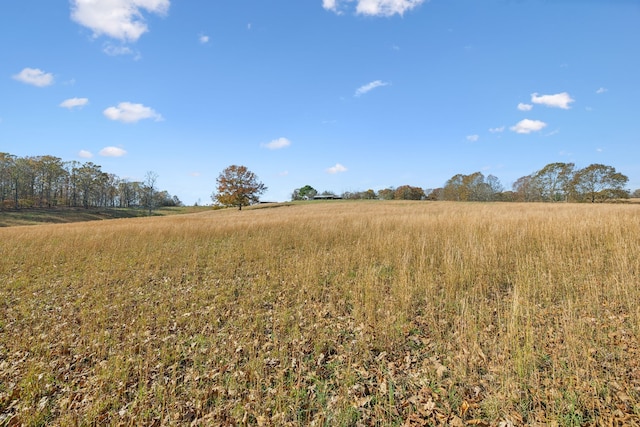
point(341, 313)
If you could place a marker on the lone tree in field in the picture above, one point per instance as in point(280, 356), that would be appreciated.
point(238, 186)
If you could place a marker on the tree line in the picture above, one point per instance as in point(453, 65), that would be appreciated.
point(48, 181)
point(556, 182)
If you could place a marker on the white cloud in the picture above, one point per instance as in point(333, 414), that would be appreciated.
point(330, 5)
point(119, 19)
point(277, 144)
point(497, 130)
point(473, 138)
point(85, 154)
point(35, 77)
point(602, 90)
point(336, 169)
point(112, 152)
point(374, 7)
point(369, 87)
point(559, 100)
point(74, 102)
point(127, 112)
point(203, 39)
point(113, 50)
point(528, 126)
point(524, 107)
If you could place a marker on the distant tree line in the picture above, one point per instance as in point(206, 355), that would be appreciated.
point(48, 181)
point(556, 182)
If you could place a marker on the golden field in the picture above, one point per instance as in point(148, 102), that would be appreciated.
point(329, 314)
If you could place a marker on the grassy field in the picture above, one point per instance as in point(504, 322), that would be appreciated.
point(58, 215)
point(336, 313)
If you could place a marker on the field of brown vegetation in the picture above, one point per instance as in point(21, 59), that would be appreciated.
point(63, 215)
point(326, 313)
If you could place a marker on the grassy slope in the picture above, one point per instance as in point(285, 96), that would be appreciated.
point(334, 313)
point(10, 218)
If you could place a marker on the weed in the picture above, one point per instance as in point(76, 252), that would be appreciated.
point(325, 314)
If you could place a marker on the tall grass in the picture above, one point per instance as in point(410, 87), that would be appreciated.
point(341, 313)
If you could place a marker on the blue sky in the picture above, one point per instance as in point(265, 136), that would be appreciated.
point(343, 95)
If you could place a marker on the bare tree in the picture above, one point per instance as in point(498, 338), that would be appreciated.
point(150, 180)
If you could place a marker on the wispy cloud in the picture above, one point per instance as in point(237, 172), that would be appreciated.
point(497, 130)
point(277, 144)
point(338, 168)
point(528, 126)
point(35, 77)
point(602, 90)
point(74, 103)
point(473, 138)
point(127, 112)
point(112, 152)
point(369, 87)
point(373, 7)
point(559, 100)
point(85, 154)
point(115, 50)
point(524, 107)
point(204, 39)
point(331, 5)
point(119, 19)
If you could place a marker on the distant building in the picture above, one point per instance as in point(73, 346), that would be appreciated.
point(326, 197)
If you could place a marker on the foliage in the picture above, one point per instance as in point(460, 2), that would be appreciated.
point(554, 181)
point(407, 192)
point(471, 188)
point(561, 182)
point(599, 182)
point(359, 195)
point(305, 193)
point(397, 314)
point(48, 181)
point(386, 194)
point(238, 186)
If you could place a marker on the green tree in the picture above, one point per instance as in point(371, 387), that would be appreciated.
point(554, 181)
point(7, 171)
point(369, 194)
point(599, 182)
point(238, 186)
point(305, 193)
point(88, 178)
point(386, 193)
